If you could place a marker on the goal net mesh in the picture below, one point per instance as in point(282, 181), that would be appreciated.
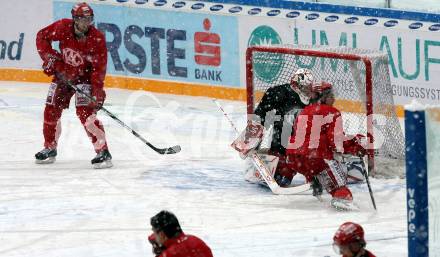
point(276, 65)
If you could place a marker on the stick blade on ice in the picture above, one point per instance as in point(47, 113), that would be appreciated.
point(171, 150)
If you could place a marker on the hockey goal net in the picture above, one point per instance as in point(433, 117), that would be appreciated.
point(360, 79)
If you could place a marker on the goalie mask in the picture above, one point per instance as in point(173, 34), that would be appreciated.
point(301, 83)
point(302, 79)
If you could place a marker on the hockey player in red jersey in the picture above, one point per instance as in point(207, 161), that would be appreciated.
point(81, 63)
point(168, 239)
point(349, 241)
point(318, 135)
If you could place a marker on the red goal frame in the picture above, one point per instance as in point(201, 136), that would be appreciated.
point(315, 53)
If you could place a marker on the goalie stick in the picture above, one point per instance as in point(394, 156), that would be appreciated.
point(366, 176)
point(262, 169)
point(169, 150)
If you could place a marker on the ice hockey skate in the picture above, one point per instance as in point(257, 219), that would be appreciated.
point(344, 205)
point(46, 156)
point(343, 200)
point(102, 160)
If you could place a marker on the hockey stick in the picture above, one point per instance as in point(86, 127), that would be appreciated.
point(169, 150)
point(368, 183)
point(262, 169)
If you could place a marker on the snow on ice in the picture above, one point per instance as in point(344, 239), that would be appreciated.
point(69, 209)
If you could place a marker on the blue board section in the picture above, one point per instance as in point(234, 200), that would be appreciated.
point(340, 9)
point(165, 44)
point(417, 183)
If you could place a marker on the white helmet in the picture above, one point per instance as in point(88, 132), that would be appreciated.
point(302, 78)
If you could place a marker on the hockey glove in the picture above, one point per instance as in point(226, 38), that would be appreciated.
point(66, 75)
point(52, 63)
point(361, 141)
point(157, 249)
point(356, 146)
point(99, 96)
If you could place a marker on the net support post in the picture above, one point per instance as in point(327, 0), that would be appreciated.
point(249, 78)
point(369, 109)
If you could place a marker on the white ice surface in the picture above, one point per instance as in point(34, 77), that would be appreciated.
point(67, 209)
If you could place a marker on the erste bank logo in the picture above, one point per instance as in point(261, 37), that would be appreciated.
point(207, 52)
point(207, 46)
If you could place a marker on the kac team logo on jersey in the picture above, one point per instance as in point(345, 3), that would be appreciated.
point(266, 66)
point(72, 57)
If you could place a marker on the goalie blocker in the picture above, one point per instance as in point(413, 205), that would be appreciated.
point(249, 139)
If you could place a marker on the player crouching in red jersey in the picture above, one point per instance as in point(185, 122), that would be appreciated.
point(318, 135)
point(349, 241)
point(81, 63)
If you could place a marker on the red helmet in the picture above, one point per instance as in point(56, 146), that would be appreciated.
point(321, 87)
point(347, 233)
point(82, 10)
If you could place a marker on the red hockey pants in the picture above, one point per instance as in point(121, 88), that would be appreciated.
point(58, 99)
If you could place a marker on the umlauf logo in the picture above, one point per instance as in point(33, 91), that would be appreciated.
point(207, 46)
point(266, 66)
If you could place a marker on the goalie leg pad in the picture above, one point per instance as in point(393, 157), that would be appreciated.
point(333, 177)
point(252, 175)
point(355, 166)
point(334, 180)
point(284, 173)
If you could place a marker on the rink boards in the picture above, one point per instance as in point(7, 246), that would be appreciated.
point(196, 48)
point(423, 181)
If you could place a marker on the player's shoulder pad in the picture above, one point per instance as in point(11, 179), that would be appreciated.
point(66, 23)
point(96, 32)
point(278, 89)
